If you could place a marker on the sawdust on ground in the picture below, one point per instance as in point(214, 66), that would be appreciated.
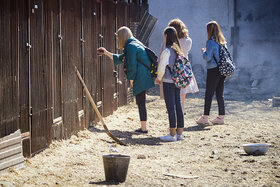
point(209, 156)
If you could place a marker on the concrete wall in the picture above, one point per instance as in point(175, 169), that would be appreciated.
point(195, 14)
point(259, 36)
point(258, 50)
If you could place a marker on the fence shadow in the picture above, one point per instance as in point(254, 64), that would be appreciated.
point(126, 136)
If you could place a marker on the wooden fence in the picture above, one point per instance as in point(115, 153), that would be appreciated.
point(42, 42)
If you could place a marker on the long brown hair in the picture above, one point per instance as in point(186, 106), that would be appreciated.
point(180, 27)
point(172, 40)
point(214, 30)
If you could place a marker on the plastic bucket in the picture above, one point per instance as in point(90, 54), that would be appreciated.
point(115, 167)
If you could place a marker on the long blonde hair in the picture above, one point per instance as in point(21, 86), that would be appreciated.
point(214, 30)
point(123, 34)
point(180, 27)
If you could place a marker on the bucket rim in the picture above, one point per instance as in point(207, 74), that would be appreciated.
point(115, 156)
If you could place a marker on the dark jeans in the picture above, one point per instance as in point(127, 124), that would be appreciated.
point(173, 104)
point(214, 83)
point(141, 102)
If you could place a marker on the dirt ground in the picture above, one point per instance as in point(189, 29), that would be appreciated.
point(209, 156)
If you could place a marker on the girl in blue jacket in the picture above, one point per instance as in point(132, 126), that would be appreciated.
point(214, 81)
point(139, 75)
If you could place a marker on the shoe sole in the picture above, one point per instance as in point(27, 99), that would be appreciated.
point(217, 123)
point(141, 131)
point(168, 140)
point(202, 123)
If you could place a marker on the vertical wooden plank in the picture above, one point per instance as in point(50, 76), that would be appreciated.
point(99, 81)
point(8, 73)
point(91, 25)
point(23, 56)
point(134, 12)
point(4, 53)
point(40, 77)
point(81, 101)
point(70, 15)
point(115, 68)
point(49, 7)
point(15, 62)
point(80, 47)
point(122, 20)
point(56, 64)
point(108, 28)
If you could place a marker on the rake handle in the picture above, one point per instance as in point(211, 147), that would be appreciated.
point(96, 110)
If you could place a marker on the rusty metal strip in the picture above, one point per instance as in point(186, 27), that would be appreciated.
point(25, 135)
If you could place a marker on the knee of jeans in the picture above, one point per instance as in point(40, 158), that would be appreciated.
point(209, 92)
point(140, 103)
point(218, 95)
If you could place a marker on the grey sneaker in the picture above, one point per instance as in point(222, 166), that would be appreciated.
point(168, 138)
point(180, 137)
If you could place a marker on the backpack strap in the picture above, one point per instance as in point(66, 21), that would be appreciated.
point(145, 49)
point(219, 54)
point(215, 60)
point(168, 65)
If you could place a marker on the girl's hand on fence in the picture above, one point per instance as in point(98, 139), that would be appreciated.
point(101, 51)
point(131, 82)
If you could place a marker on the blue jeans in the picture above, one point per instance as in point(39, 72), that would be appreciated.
point(173, 104)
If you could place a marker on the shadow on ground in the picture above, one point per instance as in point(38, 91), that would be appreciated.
point(199, 127)
point(126, 137)
point(104, 183)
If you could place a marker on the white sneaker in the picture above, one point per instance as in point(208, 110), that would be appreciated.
point(180, 137)
point(168, 138)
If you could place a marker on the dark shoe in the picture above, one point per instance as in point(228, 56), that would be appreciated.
point(141, 131)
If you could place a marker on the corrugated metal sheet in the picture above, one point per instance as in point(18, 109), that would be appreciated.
point(146, 27)
point(11, 151)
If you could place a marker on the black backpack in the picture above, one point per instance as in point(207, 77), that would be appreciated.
point(226, 65)
point(154, 61)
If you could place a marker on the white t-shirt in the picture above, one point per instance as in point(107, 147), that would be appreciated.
point(186, 45)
